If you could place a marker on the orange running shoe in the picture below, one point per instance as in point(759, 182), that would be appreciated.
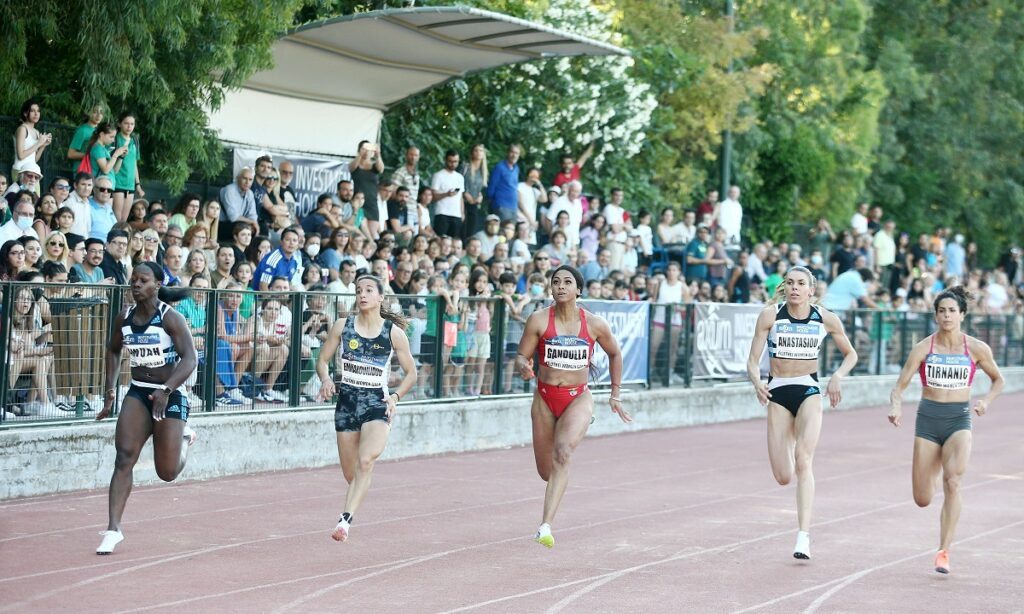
point(942, 561)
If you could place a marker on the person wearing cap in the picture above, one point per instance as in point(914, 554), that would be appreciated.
point(489, 236)
point(503, 185)
point(28, 179)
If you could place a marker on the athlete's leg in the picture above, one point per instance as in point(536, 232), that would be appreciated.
point(955, 454)
point(781, 442)
point(543, 435)
point(927, 463)
point(569, 432)
point(808, 429)
point(134, 426)
point(170, 448)
point(348, 453)
point(373, 438)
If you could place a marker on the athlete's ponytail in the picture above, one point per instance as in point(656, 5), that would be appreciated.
point(959, 294)
point(396, 317)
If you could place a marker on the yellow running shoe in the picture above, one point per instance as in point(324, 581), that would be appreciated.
point(544, 536)
point(942, 561)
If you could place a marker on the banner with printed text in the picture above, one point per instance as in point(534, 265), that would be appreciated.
point(314, 175)
point(629, 323)
point(722, 335)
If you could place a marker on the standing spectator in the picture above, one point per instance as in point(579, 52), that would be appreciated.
point(843, 257)
point(365, 171)
point(592, 235)
point(718, 260)
point(571, 169)
point(618, 228)
point(261, 170)
point(729, 215)
point(849, 287)
point(117, 247)
point(448, 185)
point(738, 288)
point(376, 211)
point(103, 156)
point(408, 174)
point(419, 217)
point(477, 179)
point(859, 221)
point(822, 238)
point(29, 143)
point(571, 203)
point(956, 257)
point(706, 209)
point(280, 262)
point(697, 256)
point(20, 224)
point(101, 210)
point(531, 192)
point(875, 219)
point(127, 182)
point(238, 203)
point(671, 295)
point(77, 149)
point(186, 212)
point(884, 245)
point(503, 187)
point(668, 232)
point(644, 235)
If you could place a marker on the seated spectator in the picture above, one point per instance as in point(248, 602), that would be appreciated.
point(28, 181)
point(241, 240)
point(45, 210)
point(315, 326)
point(592, 235)
point(33, 252)
point(558, 249)
point(150, 247)
point(12, 260)
point(137, 215)
point(27, 356)
point(174, 267)
point(76, 256)
point(195, 241)
point(195, 266)
point(57, 250)
point(101, 208)
point(271, 351)
point(242, 273)
point(64, 221)
point(669, 233)
point(848, 288)
point(209, 217)
point(89, 271)
point(598, 269)
point(225, 262)
point(258, 249)
point(322, 220)
point(419, 215)
point(112, 265)
point(311, 276)
point(20, 224)
point(400, 219)
point(234, 346)
point(489, 236)
point(280, 261)
point(698, 256)
point(185, 212)
point(238, 203)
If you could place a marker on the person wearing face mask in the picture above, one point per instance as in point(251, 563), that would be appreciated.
point(817, 266)
point(20, 224)
point(311, 251)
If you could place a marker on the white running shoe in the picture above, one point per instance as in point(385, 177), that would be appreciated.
point(190, 434)
point(236, 394)
point(802, 549)
point(277, 395)
point(544, 536)
point(340, 532)
point(110, 540)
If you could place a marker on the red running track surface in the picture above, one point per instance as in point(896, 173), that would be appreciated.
point(668, 521)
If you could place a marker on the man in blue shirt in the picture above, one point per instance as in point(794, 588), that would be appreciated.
point(849, 287)
point(101, 208)
point(503, 186)
point(279, 262)
point(237, 204)
point(697, 256)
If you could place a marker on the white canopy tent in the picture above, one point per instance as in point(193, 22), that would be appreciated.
point(332, 80)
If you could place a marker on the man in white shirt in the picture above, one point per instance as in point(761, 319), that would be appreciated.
point(618, 228)
point(859, 221)
point(686, 230)
point(570, 203)
point(531, 192)
point(20, 224)
point(729, 215)
point(755, 263)
point(345, 284)
point(448, 186)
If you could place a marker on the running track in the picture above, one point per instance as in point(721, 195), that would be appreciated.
point(669, 521)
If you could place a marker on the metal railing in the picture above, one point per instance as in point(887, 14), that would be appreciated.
point(257, 350)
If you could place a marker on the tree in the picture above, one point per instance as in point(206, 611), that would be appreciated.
point(169, 62)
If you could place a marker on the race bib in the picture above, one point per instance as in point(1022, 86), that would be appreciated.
point(797, 341)
point(362, 375)
point(947, 371)
point(144, 350)
point(567, 353)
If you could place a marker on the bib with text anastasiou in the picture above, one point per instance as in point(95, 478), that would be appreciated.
point(797, 341)
point(567, 352)
point(948, 371)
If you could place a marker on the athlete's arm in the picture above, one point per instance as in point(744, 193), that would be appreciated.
point(400, 344)
point(610, 345)
point(328, 350)
point(917, 355)
point(987, 362)
point(177, 330)
point(528, 343)
point(764, 325)
point(834, 326)
point(113, 366)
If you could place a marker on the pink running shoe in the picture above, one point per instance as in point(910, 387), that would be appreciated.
point(340, 532)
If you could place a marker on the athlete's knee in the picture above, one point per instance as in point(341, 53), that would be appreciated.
point(803, 462)
point(366, 463)
point(562, 453)
point(951, 482)
point(782, 477)
point(125, 459)
point(167, 474)
point(922, 499)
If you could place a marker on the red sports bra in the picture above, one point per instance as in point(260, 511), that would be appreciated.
point(948, 371)
point(566, 352)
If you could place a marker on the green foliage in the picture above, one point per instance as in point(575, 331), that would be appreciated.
point(167, 61)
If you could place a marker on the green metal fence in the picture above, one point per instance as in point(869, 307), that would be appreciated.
point(260, 348)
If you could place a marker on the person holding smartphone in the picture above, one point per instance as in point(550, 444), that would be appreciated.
point(449, 208)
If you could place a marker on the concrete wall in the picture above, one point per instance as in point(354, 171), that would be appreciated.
point(50, 459)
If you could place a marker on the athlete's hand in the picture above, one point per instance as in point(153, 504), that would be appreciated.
point(616, 406)
point(763, 394)
point(980, 406)
point(326, 390)
point(159, 398)
point(835, 395)
point(525, 367)
point(896, 408)
point(108, 404)
point(390, 411)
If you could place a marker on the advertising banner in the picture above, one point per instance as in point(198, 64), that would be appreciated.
point(629, 323)
point(722, 335)
point(313, 175)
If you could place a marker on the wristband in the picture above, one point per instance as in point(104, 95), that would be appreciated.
point(614, 399)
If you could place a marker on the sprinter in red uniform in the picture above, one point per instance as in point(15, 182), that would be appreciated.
point(563, 407)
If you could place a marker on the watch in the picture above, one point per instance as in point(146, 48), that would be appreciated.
point(167, 390)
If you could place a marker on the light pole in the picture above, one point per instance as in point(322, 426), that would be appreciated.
point(727, 134)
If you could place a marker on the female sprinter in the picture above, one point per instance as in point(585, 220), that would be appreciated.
point(563, 406)
point(946, 361)
point(362, 347)
point(794, 330)
point(161, 356)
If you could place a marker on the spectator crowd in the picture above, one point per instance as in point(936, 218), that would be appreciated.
point(446, 232)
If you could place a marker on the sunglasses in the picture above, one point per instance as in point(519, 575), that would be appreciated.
point(272, 178)
point(63, 186)
point(105, 190)
point(151, 240)
point(19, 252)
point(55, 244)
